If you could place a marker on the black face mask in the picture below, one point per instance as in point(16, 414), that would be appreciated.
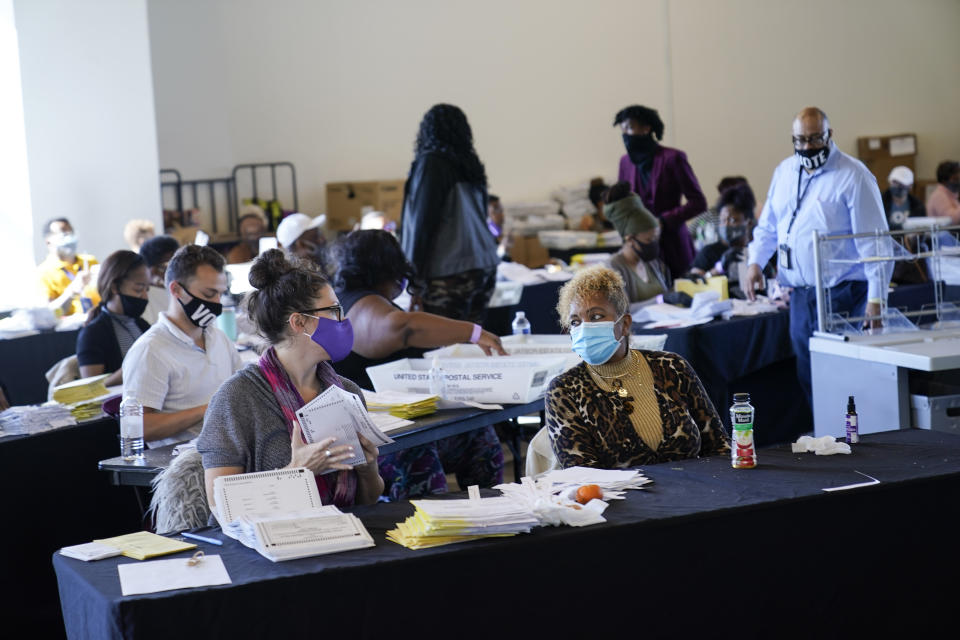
point(640, 148)
point(953, 186)
point(200, 312)
point(898, 191)
point(813, 158)
point(133, 307)
point(733, 235)
point(648, 251)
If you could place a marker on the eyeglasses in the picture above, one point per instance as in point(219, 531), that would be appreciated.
point(816, 138)
point(332, 310)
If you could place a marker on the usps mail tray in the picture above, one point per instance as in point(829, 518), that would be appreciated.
point(494, 379)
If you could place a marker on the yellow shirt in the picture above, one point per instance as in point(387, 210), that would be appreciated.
point(55, 275)
point(633, 373)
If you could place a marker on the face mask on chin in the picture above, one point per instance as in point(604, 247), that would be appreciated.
point(733, 235)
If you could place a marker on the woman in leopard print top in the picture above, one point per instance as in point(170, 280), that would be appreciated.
point(629, 408)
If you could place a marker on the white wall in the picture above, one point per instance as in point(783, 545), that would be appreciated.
point(89, 114)
point(15, 217)
point(339, 88)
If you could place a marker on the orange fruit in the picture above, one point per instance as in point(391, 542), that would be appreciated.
point(588, 492)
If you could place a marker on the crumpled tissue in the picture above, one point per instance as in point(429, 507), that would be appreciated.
point(824, 446)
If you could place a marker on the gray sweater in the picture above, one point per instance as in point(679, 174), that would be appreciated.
point(244, 425)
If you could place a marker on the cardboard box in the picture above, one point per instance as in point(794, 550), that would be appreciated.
point(510, 380)
point(528, 251)
point(346, 200)
point(882, 153)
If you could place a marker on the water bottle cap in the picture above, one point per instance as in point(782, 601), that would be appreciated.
point(521, 314)
point(741, 397)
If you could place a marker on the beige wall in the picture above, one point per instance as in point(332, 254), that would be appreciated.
point(339, 88)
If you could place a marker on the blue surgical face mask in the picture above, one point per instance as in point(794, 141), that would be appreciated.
point(595, 341)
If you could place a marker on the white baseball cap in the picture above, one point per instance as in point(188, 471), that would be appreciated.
point(901, 174)
point(294, 226)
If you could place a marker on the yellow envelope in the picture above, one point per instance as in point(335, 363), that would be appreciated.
point(715, 283)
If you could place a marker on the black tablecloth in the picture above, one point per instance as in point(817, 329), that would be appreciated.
point(24, 361)
point(538, 302)
point(706, 549)
point(52, 496)
point(751, 355)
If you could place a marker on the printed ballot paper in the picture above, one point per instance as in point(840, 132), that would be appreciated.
point(279, 514)
point(340, 414)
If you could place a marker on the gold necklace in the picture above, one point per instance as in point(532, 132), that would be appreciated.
point(618, 385)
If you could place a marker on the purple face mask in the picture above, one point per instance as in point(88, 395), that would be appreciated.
point(335, 337)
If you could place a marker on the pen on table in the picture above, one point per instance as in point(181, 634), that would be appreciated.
point(187, 534)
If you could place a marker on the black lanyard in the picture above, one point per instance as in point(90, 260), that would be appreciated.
point(800, 196)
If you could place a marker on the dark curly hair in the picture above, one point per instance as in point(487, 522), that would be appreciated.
point(946, 169)
point(444, 129)
point(643, 115)
point(367, 258)
point(283, 285)
point(740, 197)
point(158, 248)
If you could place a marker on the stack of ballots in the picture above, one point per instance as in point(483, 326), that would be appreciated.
point(439, 522)
point(400, 403)
point(575, 202)
point(83, 397)
point(613, 482)
point(527, 218)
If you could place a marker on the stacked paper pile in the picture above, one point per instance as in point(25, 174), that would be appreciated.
point(438, 522)
point(82, 390)
point(34, 419)
point(387, 423)
point(575, 202)
point(613, 482)
point(401, 404)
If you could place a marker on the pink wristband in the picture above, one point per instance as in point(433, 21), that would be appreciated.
point(475, 336)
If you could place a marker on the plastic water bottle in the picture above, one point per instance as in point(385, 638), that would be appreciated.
point(131, 429)
point(438, 382)
point(227, 320)
point(743, 454)
point(521, 326)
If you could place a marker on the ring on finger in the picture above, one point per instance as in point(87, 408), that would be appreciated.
point(328, 452)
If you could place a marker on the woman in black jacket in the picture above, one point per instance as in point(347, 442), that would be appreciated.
point(114, 324)
point(443, 228)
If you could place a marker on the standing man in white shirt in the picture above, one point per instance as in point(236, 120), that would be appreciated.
point(820, 188)
point(177, 365)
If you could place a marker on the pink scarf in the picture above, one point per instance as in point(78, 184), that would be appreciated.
point(339, 488)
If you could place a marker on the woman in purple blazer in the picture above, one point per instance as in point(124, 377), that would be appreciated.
point(660, 176)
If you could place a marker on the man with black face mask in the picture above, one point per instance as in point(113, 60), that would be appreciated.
point(898, 203)
point(821, 188)
point(179, 363)
point(662, 177)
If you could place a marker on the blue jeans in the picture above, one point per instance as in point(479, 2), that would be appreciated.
point(847, 297)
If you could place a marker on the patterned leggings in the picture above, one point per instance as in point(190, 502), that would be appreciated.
point(462, 296)
point(475, 457)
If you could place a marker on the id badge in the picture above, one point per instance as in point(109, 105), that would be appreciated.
point(784, 257)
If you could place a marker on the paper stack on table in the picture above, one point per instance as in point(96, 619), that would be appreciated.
point(34, 419)
point(143, 544)
point(400, 403)
point(387, 423)
point(82, 390)
point(613, 482)
point(439, 522)
point(278, 513)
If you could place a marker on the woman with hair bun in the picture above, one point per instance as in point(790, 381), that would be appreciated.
point(250, 424)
